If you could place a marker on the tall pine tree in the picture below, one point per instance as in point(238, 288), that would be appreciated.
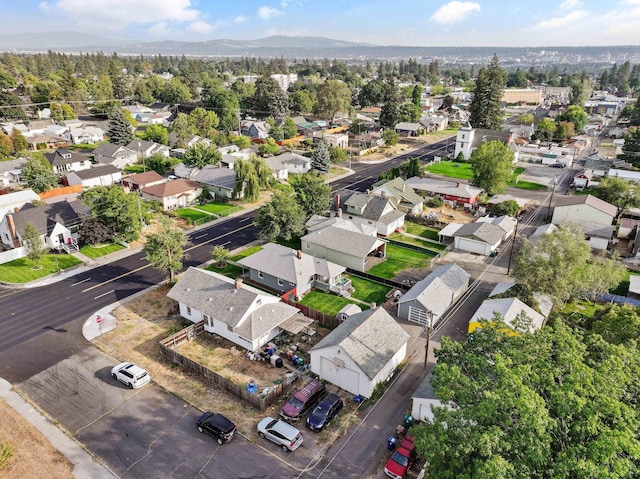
point(486, 105)
point(120, 130)
point(320, 158)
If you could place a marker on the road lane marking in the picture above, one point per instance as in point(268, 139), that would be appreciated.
point(356, 177)
point(201, 236)
point(81, 281)
point(104, 294)
point(148, 265)
point(225, 244)
point(245, 219)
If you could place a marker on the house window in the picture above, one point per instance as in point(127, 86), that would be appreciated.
point(229, 328)
point(463, 137)
point(280, 282)
point(189, 310)
point(307, 245)
point(260, 274)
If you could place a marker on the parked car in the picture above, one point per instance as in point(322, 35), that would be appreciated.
point(131, 375)
point(221, 428)
point(324, 412)
point(280, 432)
point(303, 400)
point(557, 165)
point(402, 459)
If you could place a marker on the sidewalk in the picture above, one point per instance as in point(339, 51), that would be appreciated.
point(84, 464)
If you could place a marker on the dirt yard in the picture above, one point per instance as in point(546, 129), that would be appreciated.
point(33, 455)
point(446, 214)
point(146, 320)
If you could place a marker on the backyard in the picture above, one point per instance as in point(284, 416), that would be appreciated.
point(327, 303)
point(399, 258)
point(21, 270)
point(463, 171)
point(428, 245)
point(421, 230)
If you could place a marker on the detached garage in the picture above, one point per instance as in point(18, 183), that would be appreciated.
point(363, 351)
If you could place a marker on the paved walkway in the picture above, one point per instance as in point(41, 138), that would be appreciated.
point(85, 466)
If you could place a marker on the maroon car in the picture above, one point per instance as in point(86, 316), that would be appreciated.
point(401, 460)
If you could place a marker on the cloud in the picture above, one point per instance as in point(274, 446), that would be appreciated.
point(630, 2)
point(454, 12)
point(240, 19)
point(268, 12)
point(570, 4)
point(159, 29)
point(559, 22)
point(200, 27)
point(44, 6)
point(120, 14)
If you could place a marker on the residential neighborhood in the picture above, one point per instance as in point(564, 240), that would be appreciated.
point(352, 255)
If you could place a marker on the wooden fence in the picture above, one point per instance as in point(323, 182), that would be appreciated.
point(63, 190)
point(260, 401)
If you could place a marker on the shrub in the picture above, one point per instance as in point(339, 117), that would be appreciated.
point(435, 202)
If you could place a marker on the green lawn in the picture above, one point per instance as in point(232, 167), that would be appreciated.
point(20, 270)
point(451, 169)
point(246, 252)
point(88, 146)
point(293, 244)
point(326, 303)
point(436, 248)
point(191, 214)
point(134, 168)
point(369, 291)
point(399, 258)
point(527, 185)
point(443, 133)
point(421, 230)
point(231, 271)
point(219, 208)
point(97, 251)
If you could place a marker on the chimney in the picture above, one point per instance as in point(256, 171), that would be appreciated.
point(337, 202)
point(238, 283)
point(373, 305)
point(339, 214)
point(12, 231)
point(299, 254)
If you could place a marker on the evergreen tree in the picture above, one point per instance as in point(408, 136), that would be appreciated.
point(390, 113)
point(486, 105)
point(321, 159)
point(120, 130)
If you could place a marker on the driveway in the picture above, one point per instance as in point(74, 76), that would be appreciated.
point(146, 432)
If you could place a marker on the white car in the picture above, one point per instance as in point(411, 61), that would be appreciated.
point(278, 431)
point(131, 375)
point(172, 177)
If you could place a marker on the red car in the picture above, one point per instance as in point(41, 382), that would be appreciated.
point(401, 460)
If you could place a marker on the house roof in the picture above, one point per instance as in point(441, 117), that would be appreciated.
point(509, 309)
point(65, 157)
point(399, 190)
point(144, 178)
point(369, 338)
point(171, 188)
point(406, 126)
point(318, 222)
point(373, 207)
point(144, 145)
point(425, 389)
point(487, 232)
point(497, 199)
point(96, 172)
point(283, 262)
point(590, 200)
point(290, 158)
point(480, 135)
point(435, 291)
point(506, 223)
point(343, 240)
point(216, 176)
point(111, 150)
point(18, 197)
point(449, 188)
point(45, 217)
point(218, 297)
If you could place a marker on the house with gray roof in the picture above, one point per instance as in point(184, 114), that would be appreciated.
point(583, 208)
point(510, 310)
point(379, 211)
point(235, 311)
point(407, 199)
point(468, 139)
point(424, 399)
point(12, 202)
point(343, 244)
point(11, 172)
point(58, 223)
point(285, 270)
point(63, 161)
point(451, 192)
point(430, 297)
point(103, 175)
point(146, 148)
point(288, 163)
point(219, 181)
point(361, 352)
point(405, 128)
point(116, 155)
point(482, 237)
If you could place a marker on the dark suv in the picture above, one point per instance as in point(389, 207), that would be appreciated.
point(303, 400)
point(218, 426)
point(324, 412)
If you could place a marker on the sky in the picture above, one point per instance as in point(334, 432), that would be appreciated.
point(379, 22)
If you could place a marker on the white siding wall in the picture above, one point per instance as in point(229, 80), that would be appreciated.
point(578, 213)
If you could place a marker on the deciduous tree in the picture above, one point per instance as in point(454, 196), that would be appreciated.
point(492, 165)
point(220, 255)
point(94, 232)
point(38, 175)
point(157, 133)
point(200, 155)
point(281, 217)
point(390, 137)
point(312, 192)
point(332, 96)
point(269, 99)
point(19, 142)
point(34, 245)
point(117, 210)
point(165, 248)
point(617, 191)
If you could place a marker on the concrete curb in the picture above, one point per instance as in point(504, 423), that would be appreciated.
point(85, 466)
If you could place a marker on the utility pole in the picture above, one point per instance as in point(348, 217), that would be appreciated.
point(553, 190)
point(513, 244)
point(428, 340)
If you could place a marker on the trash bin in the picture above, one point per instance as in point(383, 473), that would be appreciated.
point(391, 442)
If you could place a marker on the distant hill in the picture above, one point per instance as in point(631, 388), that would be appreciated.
point(44, 41)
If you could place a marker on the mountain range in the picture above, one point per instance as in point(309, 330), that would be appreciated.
point(297, 47)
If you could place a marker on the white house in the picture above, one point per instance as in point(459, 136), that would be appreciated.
point(146, 148)
point(11, 172)
point(239, 313)
point(361, 352)
point(423, 400)
point(378, 211)
point(468, 139)
point(510, 309)
point(86, 135)
point(64, 161)
point(12, 202)
point(116, 155)
point(103, 175)
point(482, 237)
point(173, 194)
point(288, 163)
point(581, 208)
